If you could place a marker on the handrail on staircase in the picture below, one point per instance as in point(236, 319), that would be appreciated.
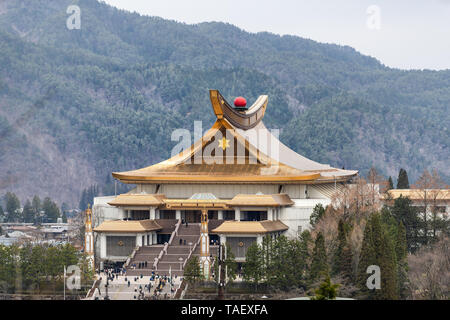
point(190, 252)
point(175, 232)
point(177, 226)
point(131, 257)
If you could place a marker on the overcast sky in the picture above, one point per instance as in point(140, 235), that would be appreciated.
point(407, 34)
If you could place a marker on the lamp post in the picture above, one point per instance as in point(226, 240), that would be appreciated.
point(181, 263)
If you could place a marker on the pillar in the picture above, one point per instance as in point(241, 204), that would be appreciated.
point(139, 240)
point(103, 246)
point(237, 214)
point(220, 215)
point(152, 214)
point(157, 214)
point(205, 262)
point(223, 239)
point(259, 239)
point(155, 238)
point(178, 214)
point(270, 214)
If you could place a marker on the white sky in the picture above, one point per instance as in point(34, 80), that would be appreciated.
point(413, 34)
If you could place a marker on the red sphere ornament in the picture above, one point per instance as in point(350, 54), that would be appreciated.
point(240, 102)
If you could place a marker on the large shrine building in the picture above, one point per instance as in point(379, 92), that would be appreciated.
point(236, 184)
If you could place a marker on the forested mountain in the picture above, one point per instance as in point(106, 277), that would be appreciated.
point(78, 104)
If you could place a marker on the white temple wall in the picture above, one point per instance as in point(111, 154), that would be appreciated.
point(228, 191)
point(298, 215)
point(221, 191)
point(102, 211)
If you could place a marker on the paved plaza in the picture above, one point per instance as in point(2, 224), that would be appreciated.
point(119, 289)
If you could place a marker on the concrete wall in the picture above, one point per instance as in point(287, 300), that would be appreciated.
point(298, 215)
point(226, 191)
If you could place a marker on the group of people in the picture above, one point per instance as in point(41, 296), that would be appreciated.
point(184, 222)
point(113, 273)
point(140, 265)
point(141, 293)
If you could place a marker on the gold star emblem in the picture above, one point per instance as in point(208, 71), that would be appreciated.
point(224, 143)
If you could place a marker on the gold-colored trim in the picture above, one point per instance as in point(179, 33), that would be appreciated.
point(243, 120)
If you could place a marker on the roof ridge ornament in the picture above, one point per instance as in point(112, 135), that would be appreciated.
point(243, 119)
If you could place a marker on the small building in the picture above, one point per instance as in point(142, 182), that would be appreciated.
point(423, 199)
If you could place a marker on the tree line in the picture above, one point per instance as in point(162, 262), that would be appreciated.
point(346, 237)
point(36, 211)
point(39, 269)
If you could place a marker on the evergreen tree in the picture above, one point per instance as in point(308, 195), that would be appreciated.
point(64, 217)
point(51, 210)
point(402, 181)
point(87, 197)
point(253, 266)
point(319, 265)
point(267, 258)
point(83, 202)
point(403, 211)
point(317, 214)
point(342, 258)
point(12, 207)
point(378, 249)
point(37, 207)
point(326, 290)
point(390, 185)
point(28, 213)
point(229, 263)
point(192, 271)
point(401, 251)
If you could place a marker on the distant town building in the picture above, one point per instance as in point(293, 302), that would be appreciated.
point(423, 199)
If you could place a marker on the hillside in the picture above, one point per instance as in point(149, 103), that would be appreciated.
point(78, 104)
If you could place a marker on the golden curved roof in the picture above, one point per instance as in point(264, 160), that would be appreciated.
point(225, 164)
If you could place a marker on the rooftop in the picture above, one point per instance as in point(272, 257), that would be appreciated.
point(245, 227)
point(128, 226)
point(234, 156)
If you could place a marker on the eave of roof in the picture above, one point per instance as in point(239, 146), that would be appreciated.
point(250, 227)
point(135, 226)
point(264, 200)
point(159, 200)
point(419, 194)
point(137, 200)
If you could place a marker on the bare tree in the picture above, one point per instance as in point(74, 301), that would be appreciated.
point(430, 189)
point(429, 272)
point(376, 183)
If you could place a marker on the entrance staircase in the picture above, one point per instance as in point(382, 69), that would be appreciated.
point(170, 260)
